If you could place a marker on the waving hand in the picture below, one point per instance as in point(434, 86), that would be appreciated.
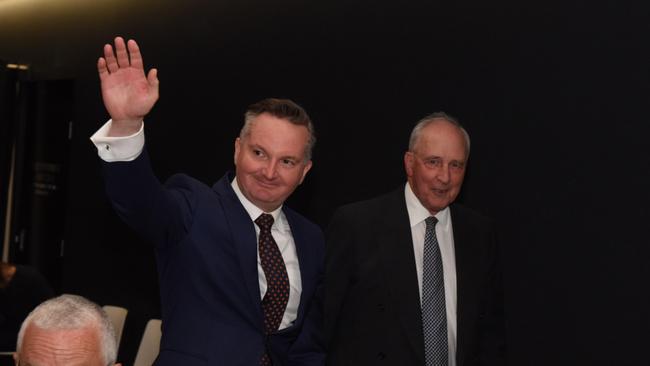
point(128, 94)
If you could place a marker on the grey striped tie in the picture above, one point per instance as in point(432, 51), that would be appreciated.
point(434, 316)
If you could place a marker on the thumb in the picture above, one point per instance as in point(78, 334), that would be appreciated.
point(152, 78)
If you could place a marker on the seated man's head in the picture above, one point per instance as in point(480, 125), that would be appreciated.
point(67, 330)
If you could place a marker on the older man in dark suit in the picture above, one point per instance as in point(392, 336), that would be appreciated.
point(412, 278)
point(239, 272)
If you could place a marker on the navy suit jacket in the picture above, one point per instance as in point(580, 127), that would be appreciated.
point(206, 251)
point(372, 299)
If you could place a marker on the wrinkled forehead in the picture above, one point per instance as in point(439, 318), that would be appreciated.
point(278, 135)
point(70, 347)
point(441, 137)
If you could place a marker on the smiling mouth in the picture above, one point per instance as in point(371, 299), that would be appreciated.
point(266, 183)
point(439, 191)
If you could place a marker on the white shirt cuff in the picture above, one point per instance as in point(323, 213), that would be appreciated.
point(123, 148)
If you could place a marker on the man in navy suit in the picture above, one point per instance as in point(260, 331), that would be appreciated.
point(239, 272)
point(411, 277)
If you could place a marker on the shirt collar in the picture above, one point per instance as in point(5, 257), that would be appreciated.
point(253, 211)
point(418, 213)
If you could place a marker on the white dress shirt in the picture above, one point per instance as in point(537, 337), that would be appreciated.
point(281, 233)
point(445, 235)
point(128, 148)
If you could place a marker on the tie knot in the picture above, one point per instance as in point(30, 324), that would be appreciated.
point(264, 221)
point(431, 221)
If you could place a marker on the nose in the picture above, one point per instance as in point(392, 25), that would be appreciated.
point(443, 174)
point(271, 169)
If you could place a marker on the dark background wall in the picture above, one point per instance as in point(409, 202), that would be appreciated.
point(555, 97)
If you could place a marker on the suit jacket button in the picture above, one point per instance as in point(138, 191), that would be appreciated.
point(381, 355)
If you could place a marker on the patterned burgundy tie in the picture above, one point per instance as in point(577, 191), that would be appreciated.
point(276, 297)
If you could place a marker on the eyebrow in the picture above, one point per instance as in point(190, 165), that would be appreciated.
point(258, 147)
point(289, 157)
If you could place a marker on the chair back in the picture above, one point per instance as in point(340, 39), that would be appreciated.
point(117, 315)
point(150, 344)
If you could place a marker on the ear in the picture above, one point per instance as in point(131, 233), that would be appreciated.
point(305, 169)
point(409, 160)
point(237, 149)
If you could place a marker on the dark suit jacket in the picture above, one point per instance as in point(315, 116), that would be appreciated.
point(206, 251)
point(372, 300)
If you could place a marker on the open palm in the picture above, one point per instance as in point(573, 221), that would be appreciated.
point(128, 94)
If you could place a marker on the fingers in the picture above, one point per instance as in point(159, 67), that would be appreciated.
point(101, 68)
point(126, 54)
point(109, 56)
point(136, 56)
point(120, 51)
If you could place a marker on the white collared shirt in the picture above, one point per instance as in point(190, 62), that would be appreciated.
point(281, 233)
point(127, 148)
point(445, 235)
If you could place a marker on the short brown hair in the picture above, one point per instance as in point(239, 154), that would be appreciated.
point(284, 109)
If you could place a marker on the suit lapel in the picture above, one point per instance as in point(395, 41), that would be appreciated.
point(244, 240)
point(396, 243)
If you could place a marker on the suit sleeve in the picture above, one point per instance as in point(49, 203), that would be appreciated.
point(161, 214)
point(492, 328)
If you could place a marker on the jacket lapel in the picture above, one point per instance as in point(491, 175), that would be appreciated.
point(244, 240)
point(396, 244)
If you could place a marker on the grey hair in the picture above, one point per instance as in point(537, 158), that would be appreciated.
point(68, 312)
point(434, 117)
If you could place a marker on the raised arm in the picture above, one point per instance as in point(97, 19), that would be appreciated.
point(127, 92)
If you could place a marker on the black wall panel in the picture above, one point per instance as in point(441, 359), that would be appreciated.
point(554, 96)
